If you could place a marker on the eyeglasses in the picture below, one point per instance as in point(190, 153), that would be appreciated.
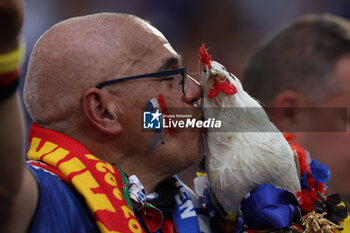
point(181, 71)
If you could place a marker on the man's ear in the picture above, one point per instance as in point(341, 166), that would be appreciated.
point(287, 109)
point(101, 111)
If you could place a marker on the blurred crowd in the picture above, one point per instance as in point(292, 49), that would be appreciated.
point(231, 28)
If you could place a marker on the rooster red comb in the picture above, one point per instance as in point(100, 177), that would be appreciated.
point(204, 57)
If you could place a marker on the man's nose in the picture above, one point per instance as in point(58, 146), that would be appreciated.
point(193, 90)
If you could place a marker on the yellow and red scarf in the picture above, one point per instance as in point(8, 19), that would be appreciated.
point(102, 185)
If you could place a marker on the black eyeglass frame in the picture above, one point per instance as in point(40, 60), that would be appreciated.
point(181, 71)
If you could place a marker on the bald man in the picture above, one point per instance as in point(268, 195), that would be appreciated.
point(91, 163)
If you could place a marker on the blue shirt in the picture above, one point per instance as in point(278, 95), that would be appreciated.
point(60, 208)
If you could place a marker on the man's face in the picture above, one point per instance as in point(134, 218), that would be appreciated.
point(332, 148)
point(174, 151)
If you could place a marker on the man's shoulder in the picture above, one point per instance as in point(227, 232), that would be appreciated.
point(60, 208)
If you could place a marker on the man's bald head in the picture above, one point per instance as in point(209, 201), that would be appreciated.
point(77, 54)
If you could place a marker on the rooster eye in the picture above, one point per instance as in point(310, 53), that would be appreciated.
point(205, 70)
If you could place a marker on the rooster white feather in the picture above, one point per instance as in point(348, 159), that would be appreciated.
point(251, 150)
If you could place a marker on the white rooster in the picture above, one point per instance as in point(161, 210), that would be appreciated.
point(249, 150)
